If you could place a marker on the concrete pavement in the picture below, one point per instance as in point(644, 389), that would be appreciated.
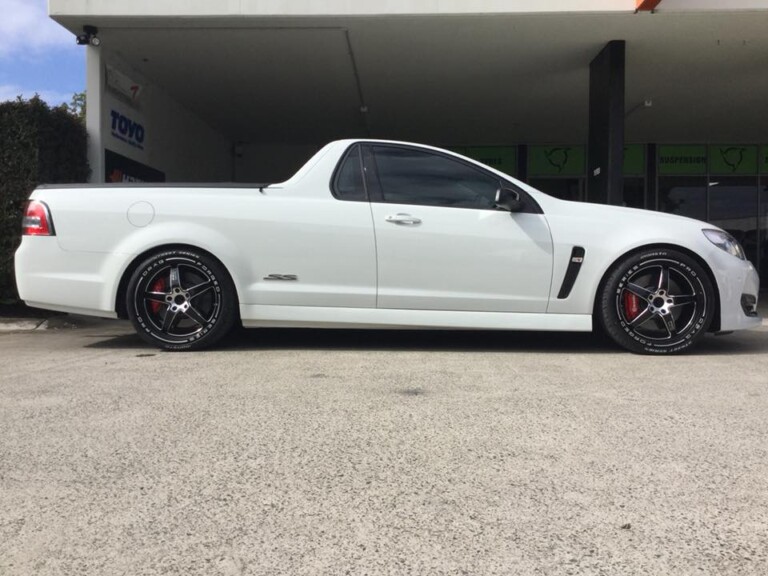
point(362, 452)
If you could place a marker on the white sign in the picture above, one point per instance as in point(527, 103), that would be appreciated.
point(123, 85)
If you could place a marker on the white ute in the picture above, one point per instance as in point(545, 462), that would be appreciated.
point(379, 234)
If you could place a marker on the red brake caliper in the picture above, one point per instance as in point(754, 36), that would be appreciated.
point(158, 286)
point(631, 305)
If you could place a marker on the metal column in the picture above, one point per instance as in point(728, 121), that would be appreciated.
point(606, 125)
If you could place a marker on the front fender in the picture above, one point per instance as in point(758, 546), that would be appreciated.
point(606, 242)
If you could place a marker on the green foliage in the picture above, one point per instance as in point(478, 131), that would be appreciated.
point(38, 144)
point(76, 106)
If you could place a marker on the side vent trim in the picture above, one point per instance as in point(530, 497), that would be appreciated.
point(572, 272)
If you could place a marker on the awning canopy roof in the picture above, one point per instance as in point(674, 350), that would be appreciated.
point(451, 79)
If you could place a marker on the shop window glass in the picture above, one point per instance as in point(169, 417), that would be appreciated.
point(762, 258)
point(732, 207)
point(684, 195)
point(634, 192)
point(563, 188)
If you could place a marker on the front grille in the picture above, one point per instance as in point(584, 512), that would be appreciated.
point(749, 304)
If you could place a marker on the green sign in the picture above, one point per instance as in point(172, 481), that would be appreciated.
point(682, 160)
point(732, 159)
point(634, 160)
point(764, 159)
point(556, 161)
point(502, 158)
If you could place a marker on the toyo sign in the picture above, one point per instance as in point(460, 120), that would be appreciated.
point(127, 129)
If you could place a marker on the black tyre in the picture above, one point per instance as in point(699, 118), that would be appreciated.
point(656, 302)
point(181, 300)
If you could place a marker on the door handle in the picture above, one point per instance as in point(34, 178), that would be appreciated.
point(404, 219)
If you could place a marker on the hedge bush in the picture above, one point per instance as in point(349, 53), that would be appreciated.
point(38, 144)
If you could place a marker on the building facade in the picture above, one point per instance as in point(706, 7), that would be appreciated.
point(652, 104)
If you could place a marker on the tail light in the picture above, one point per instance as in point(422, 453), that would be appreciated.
point(37, 220)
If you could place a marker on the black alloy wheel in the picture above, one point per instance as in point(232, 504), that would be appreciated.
point(657, 302)
point(181, 300)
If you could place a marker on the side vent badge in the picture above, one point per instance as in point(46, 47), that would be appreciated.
point(577, 258)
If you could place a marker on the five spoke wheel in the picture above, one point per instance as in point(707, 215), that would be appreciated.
point(660, 301)
point(181, 300)
point(175, 305)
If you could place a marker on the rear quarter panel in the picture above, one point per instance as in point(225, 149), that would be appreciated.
point(100, 230)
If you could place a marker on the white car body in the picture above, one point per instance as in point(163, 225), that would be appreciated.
point(353, 266)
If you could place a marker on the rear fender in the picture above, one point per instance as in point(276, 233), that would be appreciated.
point(154, 238)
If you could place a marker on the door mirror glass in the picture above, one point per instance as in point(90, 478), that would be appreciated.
point(508, 200)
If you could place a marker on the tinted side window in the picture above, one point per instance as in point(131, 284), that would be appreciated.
point(349, 177)
point(410, 176)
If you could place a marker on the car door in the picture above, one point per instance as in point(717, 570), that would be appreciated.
point(443, 245)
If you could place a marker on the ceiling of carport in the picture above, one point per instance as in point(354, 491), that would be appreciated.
point(454, 79)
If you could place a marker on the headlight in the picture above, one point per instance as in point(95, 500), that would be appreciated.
point(726, 242)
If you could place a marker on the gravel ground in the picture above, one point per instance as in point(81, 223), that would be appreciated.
point(358, 452)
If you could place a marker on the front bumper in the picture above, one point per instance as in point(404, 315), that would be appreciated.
point(739, 286)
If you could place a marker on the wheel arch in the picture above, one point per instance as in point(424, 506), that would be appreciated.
point(122, 287)
point(714, 327)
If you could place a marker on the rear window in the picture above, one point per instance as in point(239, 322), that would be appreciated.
point(349, 184)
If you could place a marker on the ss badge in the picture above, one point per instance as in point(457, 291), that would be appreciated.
point(284, 277)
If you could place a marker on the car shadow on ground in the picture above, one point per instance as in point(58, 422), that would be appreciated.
point(419, 340)
point(243, 340)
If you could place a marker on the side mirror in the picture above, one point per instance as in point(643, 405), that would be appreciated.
point(508, 200)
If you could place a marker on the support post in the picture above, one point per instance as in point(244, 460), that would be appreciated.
point(606, 125)
point(522, 162)
point(94, 95)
